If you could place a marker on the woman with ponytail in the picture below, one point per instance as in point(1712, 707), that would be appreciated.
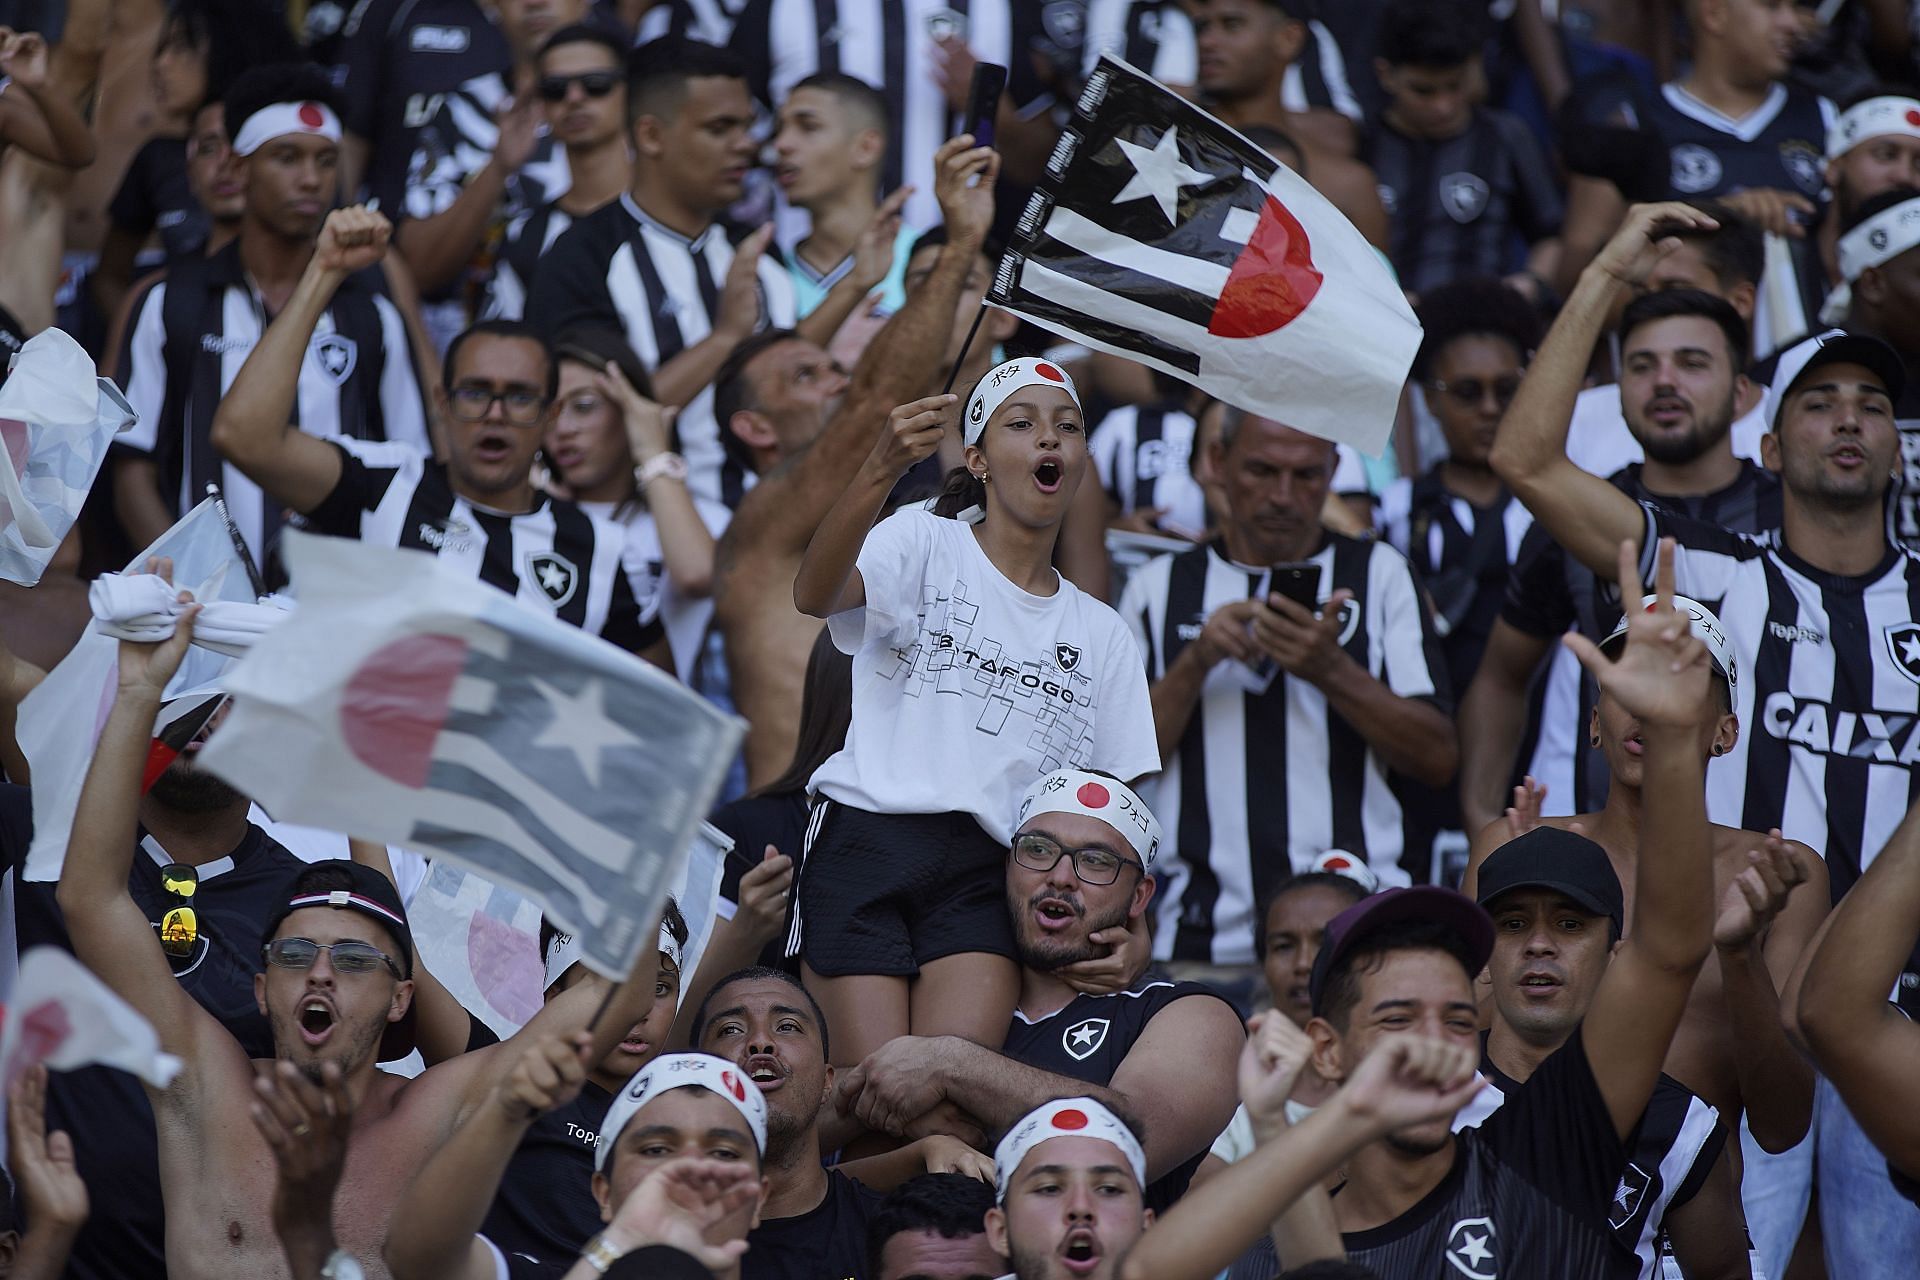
point(977, 670)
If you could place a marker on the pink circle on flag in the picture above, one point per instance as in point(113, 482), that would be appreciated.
point(393, 706)
point(1070, 1120)
point(1050, 373)
point(310, 115)
point(1092, 795)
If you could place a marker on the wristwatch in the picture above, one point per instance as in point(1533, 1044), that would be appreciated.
point(670, 465)
point(342, 1265)
point(601, 1253)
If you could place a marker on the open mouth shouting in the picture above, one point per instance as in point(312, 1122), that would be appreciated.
point(1056, 913)
point(1080, 1252)
point(492, 448)
point(317, 1021)
point(1047, 474)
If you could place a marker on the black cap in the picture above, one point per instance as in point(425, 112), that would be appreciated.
point(1562, 861)
point(1836, 347)
point(1426, 904)
point(372, 895)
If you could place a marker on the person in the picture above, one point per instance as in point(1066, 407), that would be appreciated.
point(582, 88)
point(539, 1205)
point(1467, 187)
point(1143, 454)
point(211, 180)
point(1786, 598)
point(338, 981)
point(1279, 623)
point(43, 1184)
point(1683, 397)
point(1528, 1191)
point(901, 877)
point(827, 147)
point(483, 159)
point(36, 119)
point(933, 1227)
point(1069, 1181)
point(609, 448)
point(1872, 148)
point(1881, 268)
point(1078, 882)
point(185, 334)
point(479, 509)
point(791, 416)
point(656, 264)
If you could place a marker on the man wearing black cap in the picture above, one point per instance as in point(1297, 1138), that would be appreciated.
point(338, 982)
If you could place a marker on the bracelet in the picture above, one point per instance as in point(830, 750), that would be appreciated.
point(600, 1253)
point(670, 465)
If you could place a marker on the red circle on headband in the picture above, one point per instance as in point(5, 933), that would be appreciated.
point(734, 1086)
point(1050, 373)
point(1913, 117)
point(1070, 1120)
point(311, 116)
point(1092, 795)
point(1334, 862)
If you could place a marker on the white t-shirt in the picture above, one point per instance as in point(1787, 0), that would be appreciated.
point(966, 689)
point(1598, 439)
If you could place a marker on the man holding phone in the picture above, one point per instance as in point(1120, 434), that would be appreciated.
point(1294, 672)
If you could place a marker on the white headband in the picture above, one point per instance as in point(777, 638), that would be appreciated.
point(1874, 118)
point(283, 118)
point(679, 1071)
point(1006, 379)
point(1111, 801)
point(1880, 239)
point(564, 951)
point(1065, 1118)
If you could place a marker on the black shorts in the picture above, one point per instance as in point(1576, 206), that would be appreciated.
point(885, 893)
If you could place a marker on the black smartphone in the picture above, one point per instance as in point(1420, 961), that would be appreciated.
point(1299, 583)
point(983, 101)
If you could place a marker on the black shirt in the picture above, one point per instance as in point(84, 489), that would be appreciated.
point(545, 1210)
point(828, 1242)
point(106, 1112)
point(154, 195)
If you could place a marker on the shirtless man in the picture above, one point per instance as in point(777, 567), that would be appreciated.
point(777, 399)
point(338, 982)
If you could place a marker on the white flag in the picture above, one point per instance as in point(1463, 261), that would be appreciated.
point(402, 702)
point(65, 1017)
point(56, 421)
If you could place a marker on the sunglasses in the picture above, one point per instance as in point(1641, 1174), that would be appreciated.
point(596, 84)
point(179, 926)
point(1471, 391)
point(347, 957)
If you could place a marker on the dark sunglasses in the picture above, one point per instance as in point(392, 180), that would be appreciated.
point(347, 957)
point(1471, 391)
point(596, 84)
point(179, 926)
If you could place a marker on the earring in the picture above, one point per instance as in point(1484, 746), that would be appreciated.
point(1593, 740)
point(1718, 750)
point(982, 477)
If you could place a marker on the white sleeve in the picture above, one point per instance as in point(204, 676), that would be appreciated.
point(402, 404)
point(1124, 742)
point(1400, 625)
point(1133, 613)
point(893, 569)
point(1349, 471)
point(777, 285)
point(144, 379)
point(1235, 1142)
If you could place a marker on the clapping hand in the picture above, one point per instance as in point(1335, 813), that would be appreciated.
point(1759, 893)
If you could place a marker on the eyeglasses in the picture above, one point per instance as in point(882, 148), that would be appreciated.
point(180, 926)
point(1094, 866)
point(473, 404)
point(596, 84)
point(347, 957)
point(1471, 391)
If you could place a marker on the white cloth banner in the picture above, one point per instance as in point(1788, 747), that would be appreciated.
point(56, 420)
point(146, 607)
point(401, 702)
point(63, 1016)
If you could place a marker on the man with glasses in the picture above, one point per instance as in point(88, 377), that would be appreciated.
point(1165, 1052)
point(480, 508)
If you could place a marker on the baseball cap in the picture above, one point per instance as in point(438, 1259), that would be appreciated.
point(372, 895)
point(1421, 904)
point(1706, 625)
point(1563, 861)
point(1836, 346)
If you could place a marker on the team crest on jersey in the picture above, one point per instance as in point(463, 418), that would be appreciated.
point(1066, 657)
point(1804, 165)
point(337, 356)
point(1349, 621)
point(1463, 196)
point(1695, 169)
point(1473, 1249)
point(1903, 645)
point(1083, 1039)
point(1627, 1197)
point(555, 575)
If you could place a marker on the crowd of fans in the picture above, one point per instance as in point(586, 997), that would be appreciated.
point(1189, 848)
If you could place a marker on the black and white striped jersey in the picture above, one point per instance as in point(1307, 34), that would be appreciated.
point(619, 268)
point(1549, 592)
point(528, 238)
point(1829, 689)
point(1267, 777)
point(456, 143)
point(1157, 37)
point(554, 557)
point(193, 328)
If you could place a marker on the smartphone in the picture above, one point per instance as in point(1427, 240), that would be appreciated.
point(983, 101)
point(1299, 583)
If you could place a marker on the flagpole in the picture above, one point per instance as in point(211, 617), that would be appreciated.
point(258, 583)
point(961, 359)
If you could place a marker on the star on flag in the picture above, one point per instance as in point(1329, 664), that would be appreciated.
point(1158, 172)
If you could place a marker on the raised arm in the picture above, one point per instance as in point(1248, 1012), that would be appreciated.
point(686, 544)
point(1860, 1041)
point(680, 379)
point(872, 261)
point(49, 1186)
point(1493, 720)
point(253, 426)
point(437, 247)
point(1584, 513)
point(442, 1026)
point(1661, 680)
point(39, 120)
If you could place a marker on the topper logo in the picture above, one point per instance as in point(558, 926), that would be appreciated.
point(1092, 795)
point(1070, 1120)
point(311, 116)
point(734, 1086)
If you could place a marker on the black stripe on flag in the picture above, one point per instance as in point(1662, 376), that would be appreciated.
point(1007, 292)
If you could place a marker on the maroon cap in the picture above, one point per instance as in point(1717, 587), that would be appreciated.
point(1424, 904)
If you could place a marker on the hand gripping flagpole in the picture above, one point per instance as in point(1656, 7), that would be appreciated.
point(961, 359)
point(254, 579)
